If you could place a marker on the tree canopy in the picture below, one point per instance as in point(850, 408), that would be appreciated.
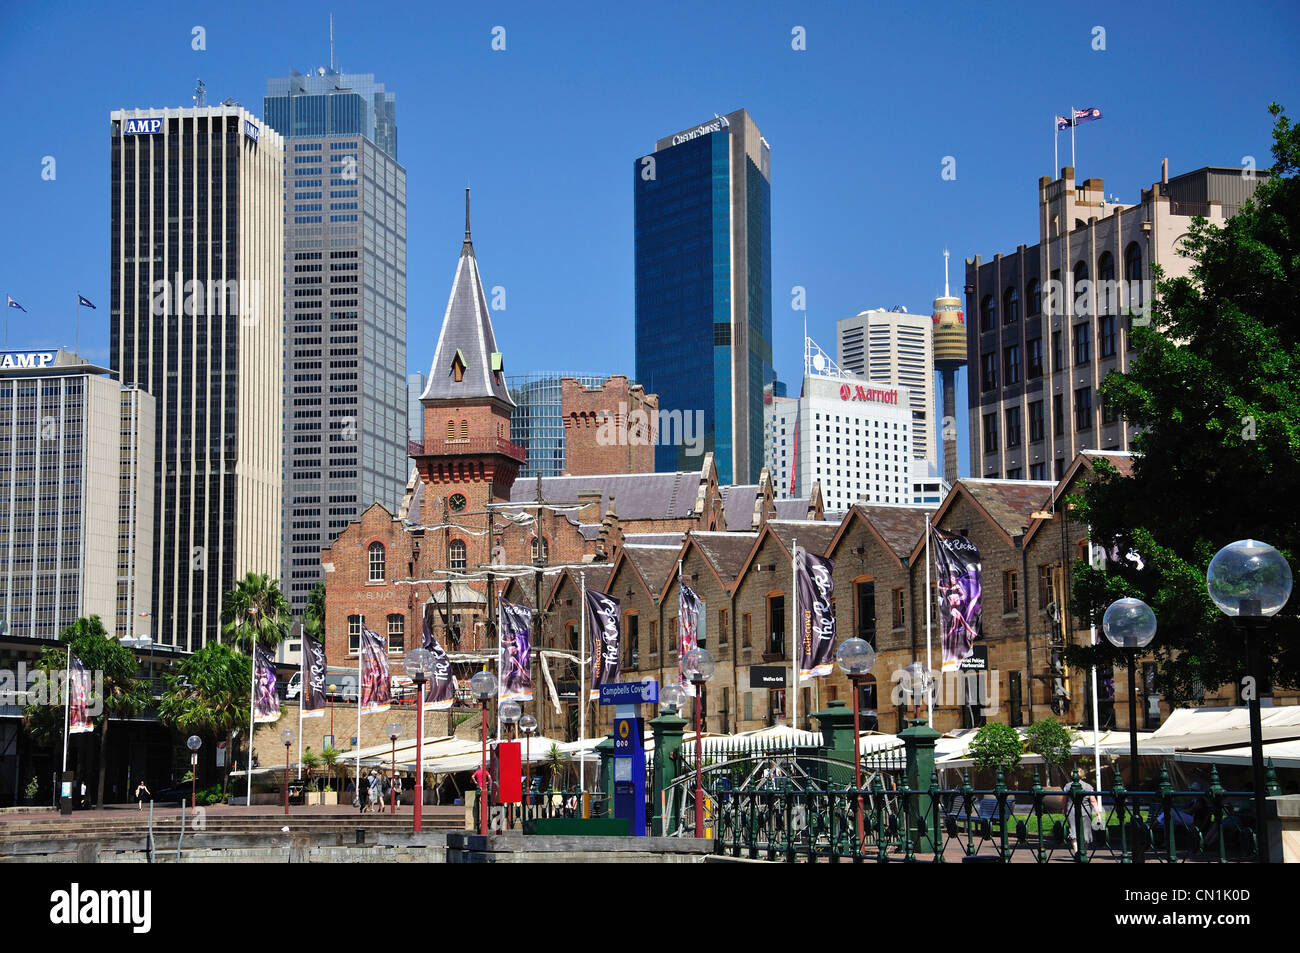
point(1215, 390)
point(269, 622)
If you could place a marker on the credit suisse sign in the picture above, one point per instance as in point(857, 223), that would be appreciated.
point(876, 394)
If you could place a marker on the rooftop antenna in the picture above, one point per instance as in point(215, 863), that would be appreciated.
point(945, 274)
point(331, 43)
point(200, 94)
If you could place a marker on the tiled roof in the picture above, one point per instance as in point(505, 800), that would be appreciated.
point(738, 506)
point(654, 563)
point(796, 509)
point(812, 535)
point(637, 496)
point(1010, 502)
point(725, 551)
point(901, 526)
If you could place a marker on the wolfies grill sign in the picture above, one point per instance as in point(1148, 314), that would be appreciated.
point(876, 394)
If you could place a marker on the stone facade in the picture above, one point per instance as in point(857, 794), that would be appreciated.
point(617, 409)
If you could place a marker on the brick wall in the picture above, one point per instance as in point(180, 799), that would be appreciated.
point(593, 414)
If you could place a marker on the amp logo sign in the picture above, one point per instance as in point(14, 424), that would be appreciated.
point(143, 127)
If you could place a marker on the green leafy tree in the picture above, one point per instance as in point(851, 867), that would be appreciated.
point(1215, 389)
point(1051, 740)
point(268, 623)
point(123, 693)
point(208, 695)
point(555, 761)
point(995, 746)
point(329, 757)
point(313, 620)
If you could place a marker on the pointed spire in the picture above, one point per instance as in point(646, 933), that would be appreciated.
point(468, 243)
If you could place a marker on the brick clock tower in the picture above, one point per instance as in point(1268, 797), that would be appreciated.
point(467, 459)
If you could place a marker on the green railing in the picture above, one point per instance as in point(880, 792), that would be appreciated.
point(1039, 825)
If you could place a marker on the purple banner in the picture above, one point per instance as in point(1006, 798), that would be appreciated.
point(266, 703)
point(603, 620)
point(814, 615)
point(690, 607)
point(313, 677)
point(376, 686)
point(78, 696)
point(516, 654)
point(957, 572)
point(439, 691)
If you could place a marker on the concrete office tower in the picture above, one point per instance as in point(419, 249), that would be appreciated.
point(1053, 319)
point(347, 409)
point(414, 409)
point(76, 491)
point(949, 354)
point(894, 347)
point(197, 263)
point(704, 289)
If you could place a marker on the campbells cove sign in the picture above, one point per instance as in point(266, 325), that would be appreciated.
point(10, 360)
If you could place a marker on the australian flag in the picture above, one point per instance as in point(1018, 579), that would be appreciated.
point(15, 304)
point(85, 302)
point(1091, 114)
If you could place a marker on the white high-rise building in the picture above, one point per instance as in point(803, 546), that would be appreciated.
point(895, 347)
point(197, 322)
point(851, 436)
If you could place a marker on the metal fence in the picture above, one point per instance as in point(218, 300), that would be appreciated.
point(1040, 825)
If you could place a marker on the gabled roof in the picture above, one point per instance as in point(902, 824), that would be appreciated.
point(1080, 467)
point(597, 578)
point(738, 503)
point(653, 565)
point(638, 496)
point(467, 338)
point(813, 536)
point(897, 527)
point(1007, 504)
point(726, 553)
point(795, 509)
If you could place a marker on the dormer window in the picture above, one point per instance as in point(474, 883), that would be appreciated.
point(458, 366)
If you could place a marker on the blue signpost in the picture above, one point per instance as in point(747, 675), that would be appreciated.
point(629, 748)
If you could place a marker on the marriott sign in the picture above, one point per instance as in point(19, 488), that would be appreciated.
point(859, 392)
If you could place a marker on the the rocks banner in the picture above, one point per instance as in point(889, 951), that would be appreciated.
point(690, 608)
point(439, 691)
point(266, 703)
point(603, 620)
point(957, 572)
point(814, 615)
point(516, 654)
point(78, 696)
point(376, 686)
point(313, 669)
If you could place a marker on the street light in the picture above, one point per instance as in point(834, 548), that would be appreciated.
point(697, 665)
point(918, 681)
point(483, 686)
point(1130, 625)
point(286, 737)
point(856, 657)
point(194, 743)
point(394, 729)
point(528, 725)
point(1250, 582)
point(419, 666)
point(508, 713)
point(671, 697)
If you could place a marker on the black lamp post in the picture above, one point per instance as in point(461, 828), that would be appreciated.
point(697, 666)
point(286, 738)
point(394, 729)
point(419, 666)
point(856, 658)
point(1130, 625)
point(483, 686)
point(194, 743)
point(1250, 582)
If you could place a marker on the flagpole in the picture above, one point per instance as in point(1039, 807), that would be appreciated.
point(76, 325)
point(794, 636)
point(361, 641)
point(302, 694)
point(501, 669)
point(1056, 149)
point(582, 686)
point(678, 634)
point(1096, 722)
point(67, 705)
point(1072, 141)
point(929, 598)
point(252, 713)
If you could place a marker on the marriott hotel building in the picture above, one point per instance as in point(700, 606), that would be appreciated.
point(197, 268)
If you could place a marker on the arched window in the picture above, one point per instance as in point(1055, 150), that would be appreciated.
point(1133, 276)
point(457, 555)
point(1034, 298)
point(376, 562)
point(1106, 293)
point(1011, 305)
point(1079, 289)
point(451, 430)
point(986, 313)
point(464, 430)
point(540, 548)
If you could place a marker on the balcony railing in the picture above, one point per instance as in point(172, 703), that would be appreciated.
point(474, 445)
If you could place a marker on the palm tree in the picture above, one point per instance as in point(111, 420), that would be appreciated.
point(255, 607)
point(555, 761)
point(313, 620)
point(329, 757)
point(207, 695)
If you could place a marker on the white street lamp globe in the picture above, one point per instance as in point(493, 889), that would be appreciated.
point(286, 737)
point(418, 664)
point(528, 724)
point(394, 729)
point(918, 682)
point(671, 696)
point(697, 665)
point(194, 742)
point(1129, 624)
point(855, 657)
point(509, 712)
point(1249, 578)
point(483, 685)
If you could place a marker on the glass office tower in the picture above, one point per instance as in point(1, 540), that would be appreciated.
point(704, 289)
point(345, 402)
point(537, 422)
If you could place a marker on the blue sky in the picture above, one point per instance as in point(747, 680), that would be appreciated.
point(547, 131)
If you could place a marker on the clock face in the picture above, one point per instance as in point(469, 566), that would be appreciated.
point(457, 502)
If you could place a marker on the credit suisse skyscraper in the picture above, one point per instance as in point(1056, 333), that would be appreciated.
point(704, 289)
point(345, 400)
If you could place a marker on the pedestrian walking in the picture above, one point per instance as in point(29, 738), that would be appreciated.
point(141, 792)
point(1089, 811)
